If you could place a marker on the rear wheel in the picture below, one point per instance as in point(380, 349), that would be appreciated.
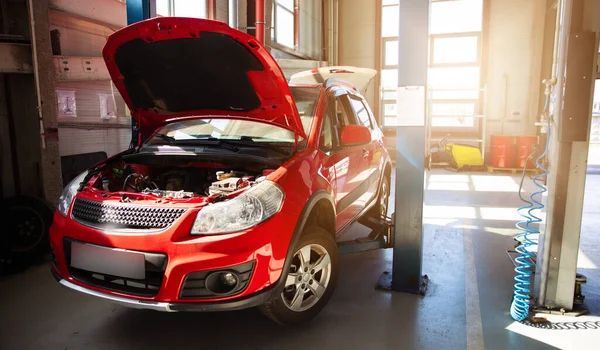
point(381, 207)
point(309, 282)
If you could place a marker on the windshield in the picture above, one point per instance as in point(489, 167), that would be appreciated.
point(235, 129)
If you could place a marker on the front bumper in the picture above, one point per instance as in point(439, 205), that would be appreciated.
point(266, 245)
point(238, 304)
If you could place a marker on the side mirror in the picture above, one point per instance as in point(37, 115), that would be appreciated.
point(353, 135)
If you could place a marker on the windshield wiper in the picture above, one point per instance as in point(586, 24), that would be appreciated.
point(170, 139)
point(249, 141)
point(233, 144)
point(214, 142)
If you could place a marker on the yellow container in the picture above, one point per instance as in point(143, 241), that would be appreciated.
point(466, 156)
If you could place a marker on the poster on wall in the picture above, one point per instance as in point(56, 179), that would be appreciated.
point(108, 109)
point(65, 102)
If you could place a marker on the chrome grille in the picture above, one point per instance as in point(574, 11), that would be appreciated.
point(124, 216)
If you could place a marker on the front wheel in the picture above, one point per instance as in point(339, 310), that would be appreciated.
point(309, 282)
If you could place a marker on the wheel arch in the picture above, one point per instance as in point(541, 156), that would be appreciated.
point(387, 170)
point(320, 210)
point(318, 200)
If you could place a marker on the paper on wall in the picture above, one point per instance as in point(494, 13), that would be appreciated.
point(410, 109)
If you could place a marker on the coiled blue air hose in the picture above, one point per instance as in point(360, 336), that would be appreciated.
point(519, 308)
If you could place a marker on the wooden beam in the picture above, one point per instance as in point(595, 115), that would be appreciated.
point(15, 58)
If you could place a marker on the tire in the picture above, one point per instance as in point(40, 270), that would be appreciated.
point(287, 309)
point(26, 228)
point(383, 198)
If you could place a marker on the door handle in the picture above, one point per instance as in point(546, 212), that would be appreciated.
point(365, 153)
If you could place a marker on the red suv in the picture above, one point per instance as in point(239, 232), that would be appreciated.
point(239, 188)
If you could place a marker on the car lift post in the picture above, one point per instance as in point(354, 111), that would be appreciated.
point(556, 279)
point(137, 11)
point(410, 151)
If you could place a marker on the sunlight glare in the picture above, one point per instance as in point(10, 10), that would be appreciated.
point(447, 212)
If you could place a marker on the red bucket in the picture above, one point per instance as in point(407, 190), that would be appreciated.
point(502, 151)
point(525, 145)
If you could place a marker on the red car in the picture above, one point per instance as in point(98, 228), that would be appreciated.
point(239, 188)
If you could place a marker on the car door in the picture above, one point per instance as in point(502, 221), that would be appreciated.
point(344, 162)
point(370, 163)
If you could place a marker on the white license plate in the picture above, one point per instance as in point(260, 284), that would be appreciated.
point(108, 261)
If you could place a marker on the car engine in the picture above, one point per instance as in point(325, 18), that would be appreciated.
point(178, 182)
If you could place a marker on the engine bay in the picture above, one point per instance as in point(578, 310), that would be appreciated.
point(186, 180)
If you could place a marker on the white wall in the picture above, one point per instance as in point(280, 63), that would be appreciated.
point(310, 28)
point(87, 132)
point(81, 140)
point(107, 11)
point(84, 27)
point(223, 11)
point(513, 71)
point(357, 37)
point(78, 37)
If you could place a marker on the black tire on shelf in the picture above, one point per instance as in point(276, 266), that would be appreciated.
point(26, 226)
point(278, 310)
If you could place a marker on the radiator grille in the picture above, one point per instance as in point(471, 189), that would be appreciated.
point(125, 216)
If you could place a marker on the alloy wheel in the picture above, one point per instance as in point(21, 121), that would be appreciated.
point(308, 278)
point(383, 199)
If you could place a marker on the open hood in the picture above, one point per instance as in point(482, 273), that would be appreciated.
point(359, 77)
point(172, 67)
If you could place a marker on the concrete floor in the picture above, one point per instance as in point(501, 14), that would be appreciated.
point(469, 224)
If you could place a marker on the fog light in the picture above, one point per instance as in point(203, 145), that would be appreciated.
point(222, 282)
point(229, 279)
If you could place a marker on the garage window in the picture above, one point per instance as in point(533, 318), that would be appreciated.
point(454, 82)
point(284, 19)
point(181, 8)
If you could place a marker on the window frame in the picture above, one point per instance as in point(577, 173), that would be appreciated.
point(365, 108)
point(172, 8)
point(334, 137)
point(390, 99)
point(476, 63)
point(295, 12)
point(331, 114)
point(383, 66)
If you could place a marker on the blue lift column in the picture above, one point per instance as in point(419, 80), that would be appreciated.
point(137, 11)
point(413, 39)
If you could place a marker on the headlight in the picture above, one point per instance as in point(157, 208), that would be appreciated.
point(244, 211)
point(64, 202)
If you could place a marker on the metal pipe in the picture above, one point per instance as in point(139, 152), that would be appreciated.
point(296, 25)
point(259, 22)
point(233, 13)
point(330, 33)
point(36, 74)
point(321, 26)
point(559, 10)
point(211, 9)
point(336, 41)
